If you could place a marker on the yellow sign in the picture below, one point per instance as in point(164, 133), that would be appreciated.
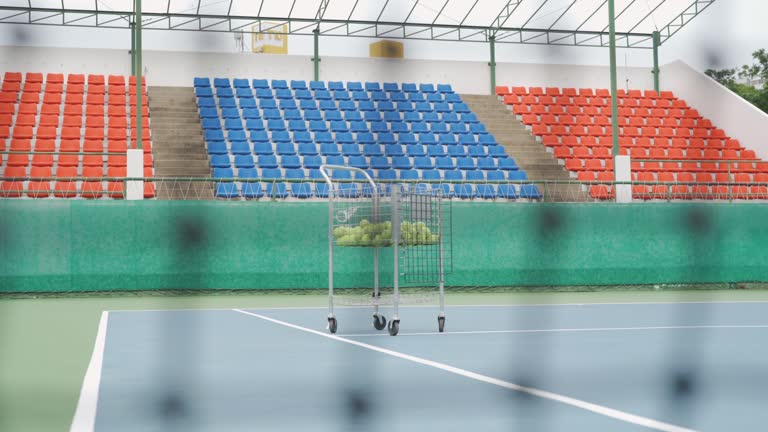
point(387, 49)
point(269, 38)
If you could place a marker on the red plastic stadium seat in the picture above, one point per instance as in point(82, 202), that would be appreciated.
point(75, 79)
point(94, 122)
point(600, 192)
point(8, 97)
point(94, 110)
point(115, 160)
point(574, 164)
point(117, 146)
point(10, 87)
point(96, 80)
point(39, 188)
point(10, 188)
point(92, 188)
point(536, 91)
point(115, 188)
point(94, 99)
point(94, 134)
point(117, 99)
point(93, 146)
point(21, 145)
point(502, 90)
point(65, 188)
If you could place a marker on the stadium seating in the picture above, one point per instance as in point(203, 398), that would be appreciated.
point(667, 140)
point(52, 129)
point(286, 130)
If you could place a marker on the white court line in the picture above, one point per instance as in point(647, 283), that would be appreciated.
point(565, 330)
point(597, 409)
point(518, 305)
point(85, 414)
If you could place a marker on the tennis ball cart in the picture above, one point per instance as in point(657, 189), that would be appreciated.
point(410, 221)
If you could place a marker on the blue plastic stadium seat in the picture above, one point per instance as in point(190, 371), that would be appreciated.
point(203, 92)
point(358, 162)
point(443, 108)
point(464, 191)
point(223, 173)
point(517, 176)
point(251, 113)
point(467, 140)
point(427, 139)
point(409, 175)
point(303, 95)
point(423, 163)
point(385, 106)
point(335, 85)
point(230, 113)
point(276, 125)
point(354, 86)
point(339, 126)
point(487, 164)
point(530, 191)
point(423, 107)
point(457, 151)
point(477, 151)
point(329, 149)
point(209, 113)
point(287, 104)
point(379, 127)
point(308, 149)
point(394, 150)
point(366, 106)
point(268, 104)
point(247, 103)
point(435, 98)
point(366, 138)
point(206, 102)
point(350, 150)
point(308, 104)
point(410, 87)
point(475, 176)
point(360, 96)
point(342, 95)
point(438, 127)
point(458, 128)
point(416, 97)
point(453, 175)
point(290, 161)
point(444, 88)
point(323, 137)
point(450, 117)
point(312, 162)
point(214, 135)
point(508, 164)
point(486, 191)
point(461, 108)
point(465, 163)
point(380, 163)
point(233, 124)
point(398, 97)
point(351, 116)
point(297, 126)
point(220, 161)
point(436, 151)
point(387, 138)
point(217, 147)
point(227, 190)
point(202, 82)
point(244, 93)
point(285, 148)
point(323, 95)
point(477, 129)
point(313, 115)
point(260, 84)
point(358, 127)
point(241, 83)
point(283, 94)
point(444, 163)
point(279, 84)
point(495, 175)
point(453, 98)
point(394, 116)
point(302, 137)
point(447, 139)
point(335, 160)
point(371, 150)
point(399, 127)
point(419, 127)
point(469, 118)
point(251, 190)
point(333, 115)
point(244, 161)
point(496, 151)
point(263, 148)
point(410, 117)
point(267, 161)
point(211, 123)
point(405, 106)
point(224, 92)
point(426, 88)
point(390, 86)
point(240, 148)
point(401, 162)
point(317, 126)
point(259, 136)
point(316, 85)
point(264, 94)
point(415, 150)
point(507, 191)
point(298, 85)
point(379, 96)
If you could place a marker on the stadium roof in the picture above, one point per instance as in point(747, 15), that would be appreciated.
point(551, 22)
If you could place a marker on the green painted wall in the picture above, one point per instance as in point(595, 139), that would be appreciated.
point(80, 245)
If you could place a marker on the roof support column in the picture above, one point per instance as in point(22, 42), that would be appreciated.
point(614, 85)
point(492, 64)
point(133, 46)
point(316, 58)
point(134, 190)
point(137, 72)
point(656, 70)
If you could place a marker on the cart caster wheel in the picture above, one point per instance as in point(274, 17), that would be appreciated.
point(332, 325)
point(379, 322)
point(441, 324)
point(394, 327)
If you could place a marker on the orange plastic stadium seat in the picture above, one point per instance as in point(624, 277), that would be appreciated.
point(638, 153)
point(587, 176)
point(562, 152)
point(70, 133)
point(563, 100)
point(11, 188)
point(8, 97)
point(569, 91)
point(536, 91)
point(116, 160)
point(94, 134)
point(540, 129)
point(741, 189)
point(48, 120)
point(748, 155)
point(22, 132)
point(115, 90)
point(115, 189)
point(511, 99)
point(546, 100)
point(93, 146)
point(21, 145)
point(30, 97)
point(580, 101)
point(96, 80)
point(72, 121)
point(11, 87)
point(94, 122)
point(502, 90)
point(12, 77)
point(94, 110)
point(574, 165)
point(586, 92)
point(117, 146)
point(676, 113)
point(65, 188)
point(117, 99)
point(148, 160)
point(679, 103)
point(75, 110)
point(93, 160)
point(666, 95)
point(550, 140)
point(116, 111)
point(574, 110)
point(94, 99)
point(582, 153)
point(600, 192)
point(570, 140)
point(643, 192)
point(92, 188)
point(520, 91)
point(517, 109)
point(594, 165)
point(144, 111)
point(530, 119)
point(39, 188)
point(43, 145)
point(553, 91)
point(75, 79)
point(5, 132)
point(28, 108)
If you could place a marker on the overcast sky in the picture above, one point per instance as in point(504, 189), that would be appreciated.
point(724, 35)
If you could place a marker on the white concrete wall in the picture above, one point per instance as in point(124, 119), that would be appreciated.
point(739, 118)
point(177, 68)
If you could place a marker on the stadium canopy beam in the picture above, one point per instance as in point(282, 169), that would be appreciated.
point(456, 32)
point(677, 23)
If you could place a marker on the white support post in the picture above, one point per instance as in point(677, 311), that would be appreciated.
point(134, 190)
point(623, 173)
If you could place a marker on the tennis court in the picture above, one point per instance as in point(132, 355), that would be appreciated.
point(668, 365)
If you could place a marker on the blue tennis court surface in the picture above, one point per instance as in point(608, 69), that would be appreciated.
point(600, 367)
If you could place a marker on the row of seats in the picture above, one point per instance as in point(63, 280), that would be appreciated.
point(657, 118)
point(318, 126)
point(76, 79)
point(465, 163)
point(627, 131)
point(676, 153)
point(67, 187)
point(325, 95)
point(331, 105)
point(204, 82)
point(383, 174)
point(640, 142)
point(586, 92)
point(354, 149)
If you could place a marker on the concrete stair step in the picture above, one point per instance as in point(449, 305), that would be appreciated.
point(186, 163)
point(182, 172)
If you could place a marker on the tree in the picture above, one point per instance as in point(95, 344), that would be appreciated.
point(757, 70)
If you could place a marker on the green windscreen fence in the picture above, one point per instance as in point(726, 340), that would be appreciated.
point(104, 246)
